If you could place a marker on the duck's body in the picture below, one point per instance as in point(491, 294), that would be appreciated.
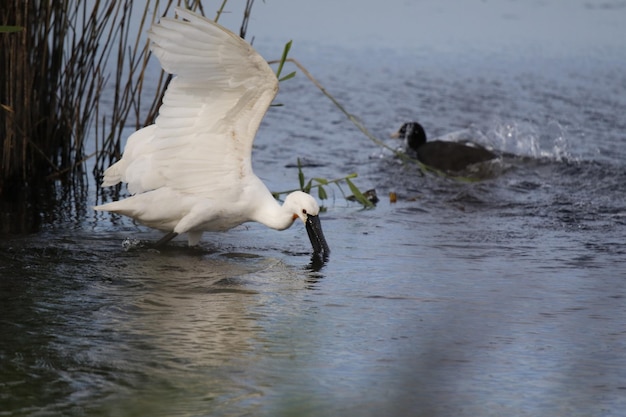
point(442, 155)
point(191, 171)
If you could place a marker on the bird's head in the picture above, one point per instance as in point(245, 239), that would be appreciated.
point(413, 133)
point(304, 207)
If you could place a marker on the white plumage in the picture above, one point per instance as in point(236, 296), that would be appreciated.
point(191, 171)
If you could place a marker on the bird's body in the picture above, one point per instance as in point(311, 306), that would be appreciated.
point(442, 155)
point(191, 171)
point(452, 156)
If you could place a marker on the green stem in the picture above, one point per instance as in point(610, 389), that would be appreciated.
point(220, 10)
point(349, 115)
point(319, 184)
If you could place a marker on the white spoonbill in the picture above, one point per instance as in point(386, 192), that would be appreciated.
point(191, 171)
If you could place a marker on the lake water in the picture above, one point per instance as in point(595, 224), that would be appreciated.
point(504, 296)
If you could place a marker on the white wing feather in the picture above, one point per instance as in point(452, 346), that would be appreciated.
point(210, 114)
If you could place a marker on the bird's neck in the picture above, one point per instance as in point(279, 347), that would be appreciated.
point(416, 137)
point(270, 213)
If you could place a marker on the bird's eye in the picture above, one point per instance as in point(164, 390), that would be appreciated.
point(303, 211)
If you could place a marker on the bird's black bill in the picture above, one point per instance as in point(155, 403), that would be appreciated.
point(316, 236)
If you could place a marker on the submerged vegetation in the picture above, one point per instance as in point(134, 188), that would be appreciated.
point(57, 59)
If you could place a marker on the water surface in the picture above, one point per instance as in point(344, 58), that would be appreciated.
point(498, 297)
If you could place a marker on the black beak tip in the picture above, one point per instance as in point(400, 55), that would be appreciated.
point(316, 236)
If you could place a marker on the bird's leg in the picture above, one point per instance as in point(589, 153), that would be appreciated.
point(165, 239)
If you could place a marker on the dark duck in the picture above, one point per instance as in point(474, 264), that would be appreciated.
point(441, 155)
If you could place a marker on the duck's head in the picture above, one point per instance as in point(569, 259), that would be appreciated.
point(413, 133)
point(304, 207)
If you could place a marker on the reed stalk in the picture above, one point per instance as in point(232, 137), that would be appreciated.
point(51, 76)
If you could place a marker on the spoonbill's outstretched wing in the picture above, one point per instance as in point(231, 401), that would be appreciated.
point(210, 114)
point(191, 171)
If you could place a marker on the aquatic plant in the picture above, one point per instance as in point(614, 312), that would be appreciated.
point(319, 184)
point(8, 29)
point(315, 182)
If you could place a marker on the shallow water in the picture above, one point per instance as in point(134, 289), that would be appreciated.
point(498, 297)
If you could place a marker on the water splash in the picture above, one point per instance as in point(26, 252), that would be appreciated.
point(557, 135)
point(130, 243)
point(528, 139)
